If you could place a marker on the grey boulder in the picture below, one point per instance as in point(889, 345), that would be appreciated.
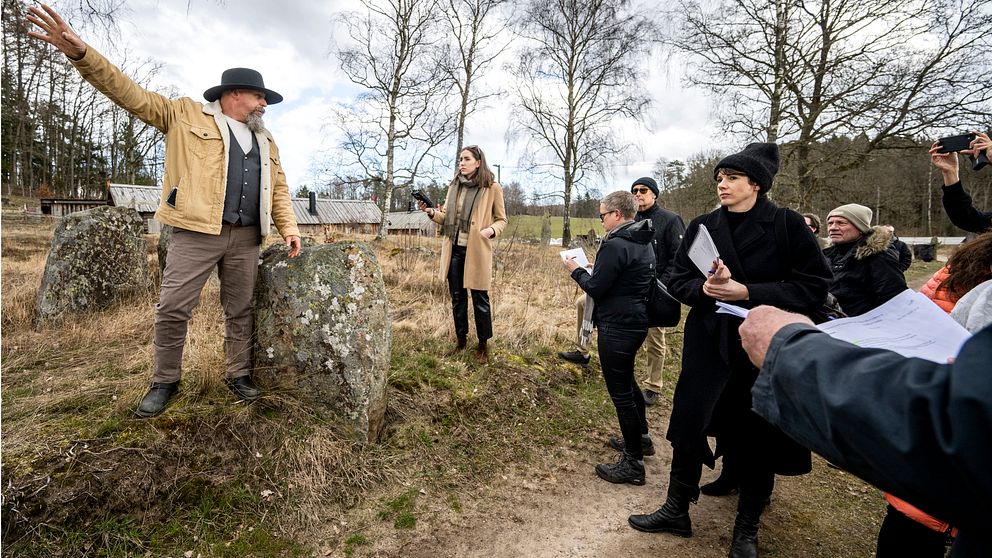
point(98, 257)
point(323, 330)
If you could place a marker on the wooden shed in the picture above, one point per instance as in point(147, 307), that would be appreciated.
point(144, 199)
point(412, 223)
point(60, 207)
point(323, 217)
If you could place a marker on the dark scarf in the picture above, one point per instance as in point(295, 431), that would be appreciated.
point(455, 222)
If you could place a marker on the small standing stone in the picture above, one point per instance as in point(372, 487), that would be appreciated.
point(98, 257)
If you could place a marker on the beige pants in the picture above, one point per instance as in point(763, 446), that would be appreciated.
point(192, 257)
point(654, 346)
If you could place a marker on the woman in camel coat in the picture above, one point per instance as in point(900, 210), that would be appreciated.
point(471, 217)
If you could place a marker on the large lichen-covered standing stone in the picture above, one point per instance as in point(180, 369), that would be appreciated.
point(97, 257)
point(323, 330)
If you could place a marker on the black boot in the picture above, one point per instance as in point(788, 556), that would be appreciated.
point(673, 517)
point(155, 400)
point(745, 543)
point(725, 485)
point(617, 443)
point(625, 469)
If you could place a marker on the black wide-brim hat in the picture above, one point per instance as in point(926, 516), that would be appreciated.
point(241, 78)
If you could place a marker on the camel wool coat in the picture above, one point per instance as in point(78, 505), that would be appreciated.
point(488, 212)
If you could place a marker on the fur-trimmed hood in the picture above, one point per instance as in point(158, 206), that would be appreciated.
point(875, 242)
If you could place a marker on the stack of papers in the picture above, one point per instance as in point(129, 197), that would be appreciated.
point(703, 251)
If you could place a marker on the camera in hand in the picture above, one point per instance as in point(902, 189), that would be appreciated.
point(422, 197)
point(952, 144)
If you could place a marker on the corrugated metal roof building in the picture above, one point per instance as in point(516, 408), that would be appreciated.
point(415, 223)
point(323, 217)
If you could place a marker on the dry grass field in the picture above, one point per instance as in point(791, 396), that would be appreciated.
point(475, 460)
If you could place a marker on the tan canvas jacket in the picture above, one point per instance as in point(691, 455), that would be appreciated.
point(197, 144)
point(488, 212)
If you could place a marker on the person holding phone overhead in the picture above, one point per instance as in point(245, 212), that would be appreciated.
point(472, 215)
point(713, 393)
point(957, 203)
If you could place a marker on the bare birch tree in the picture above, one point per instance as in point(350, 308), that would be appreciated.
point(477, 40)
point(578, 75)
point(804, 71)
point(393, 128)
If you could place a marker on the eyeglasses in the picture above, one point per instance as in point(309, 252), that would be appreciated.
point(602, 215)
point(640, 190)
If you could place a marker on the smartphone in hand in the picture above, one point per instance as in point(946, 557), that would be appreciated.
point(422, 197)
point(952, 144)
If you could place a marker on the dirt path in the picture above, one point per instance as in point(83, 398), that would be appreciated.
point(567, 511)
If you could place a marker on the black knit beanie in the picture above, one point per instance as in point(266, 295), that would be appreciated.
point(759, 161)
point(647, 181)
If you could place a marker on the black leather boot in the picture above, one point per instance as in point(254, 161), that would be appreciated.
point(156, 399)
point(673, 517)
point(725, 485)
point(745, 543)
point(624, 469)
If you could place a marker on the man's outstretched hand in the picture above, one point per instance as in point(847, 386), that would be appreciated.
point(56, 32)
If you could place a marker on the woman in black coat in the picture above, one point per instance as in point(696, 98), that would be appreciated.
point(618, 287)
point(767, 256)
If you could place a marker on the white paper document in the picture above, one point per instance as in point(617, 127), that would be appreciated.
point(909, 324)
point(703, 251)
point(580, 257)
point(732, 309)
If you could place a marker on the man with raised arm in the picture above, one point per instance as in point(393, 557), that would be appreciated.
point(223, 187)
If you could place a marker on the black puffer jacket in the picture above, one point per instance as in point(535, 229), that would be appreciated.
point(866, 272)
point(668, 231)
point(621, 276)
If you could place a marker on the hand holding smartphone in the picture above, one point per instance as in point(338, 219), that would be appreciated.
point(423, 198)
point(952, 144)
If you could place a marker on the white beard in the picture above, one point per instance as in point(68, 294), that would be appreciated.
point(254, 122)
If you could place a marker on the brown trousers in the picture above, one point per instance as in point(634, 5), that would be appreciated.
point(192, 257)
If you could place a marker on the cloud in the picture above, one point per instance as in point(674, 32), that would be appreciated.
point(290, 44)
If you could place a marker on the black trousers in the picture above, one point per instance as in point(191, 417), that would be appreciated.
point(459, 300)
point(617, 350)
point(757, 480)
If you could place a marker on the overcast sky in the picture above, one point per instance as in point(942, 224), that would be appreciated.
point(290, 44)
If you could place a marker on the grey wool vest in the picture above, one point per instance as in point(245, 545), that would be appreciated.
point(244, 176)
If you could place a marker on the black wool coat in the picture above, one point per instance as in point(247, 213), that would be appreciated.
point(713, 394)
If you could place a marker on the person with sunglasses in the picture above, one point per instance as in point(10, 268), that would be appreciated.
point(616, 291)
point(472, 215)
point(668, 230)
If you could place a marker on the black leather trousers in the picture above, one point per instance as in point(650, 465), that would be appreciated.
point(459, 299)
